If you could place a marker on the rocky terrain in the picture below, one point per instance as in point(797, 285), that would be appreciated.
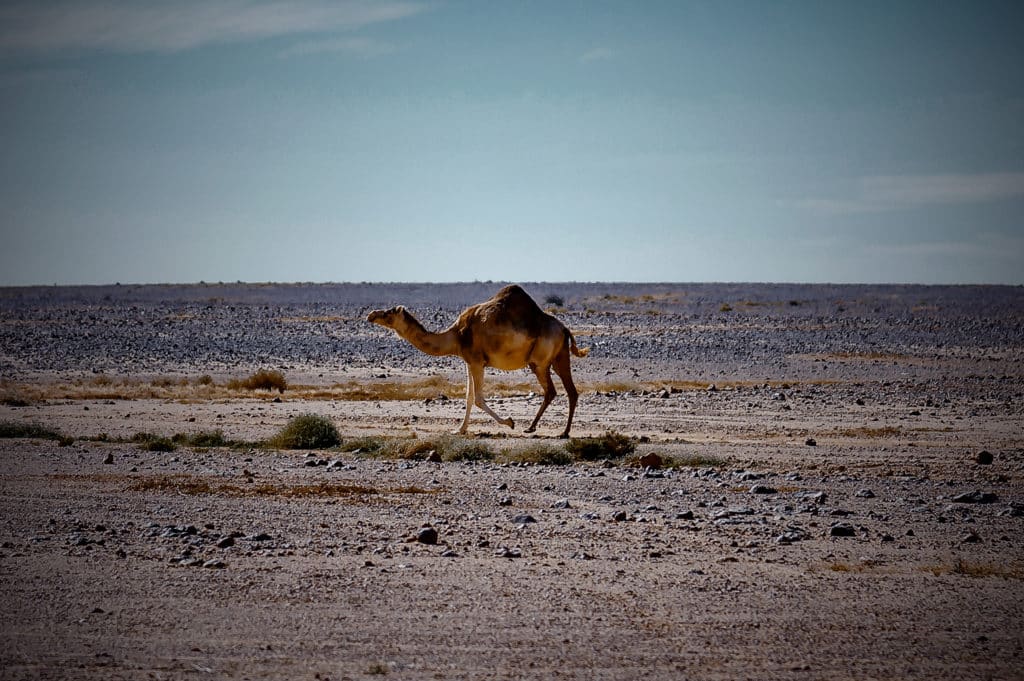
point(848, 500)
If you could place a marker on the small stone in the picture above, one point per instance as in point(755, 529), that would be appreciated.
point(261, 536)
point(505, 501)
point(506, 552)
point(712, 388)
point(215, 564)
point(763, 489)
point(524, 519)
point(651, 460)
point(811, 442)
point(970, 538)
point(865, 494)
point(984, 457)
point(620, 517)
point(561, 503)
point(502, 487)
point(684, 515)
point(427, 535)
point(226, 542)
point(109, 459)
point(449, 553)
point(433, 456)
point(886, 538)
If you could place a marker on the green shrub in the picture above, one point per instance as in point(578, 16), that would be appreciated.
point(12, 429)
point(160, 444)
point(309, 431)
point(611, 445)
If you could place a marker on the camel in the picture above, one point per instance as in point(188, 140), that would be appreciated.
point(507, 332)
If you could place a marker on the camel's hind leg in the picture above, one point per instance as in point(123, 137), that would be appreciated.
point(561, 366)
point(544, 377)
point(475, 395)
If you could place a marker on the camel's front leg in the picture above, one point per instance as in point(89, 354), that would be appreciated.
point(476, 376)
point(469, 400)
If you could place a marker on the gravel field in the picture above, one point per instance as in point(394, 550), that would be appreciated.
point(849, 502)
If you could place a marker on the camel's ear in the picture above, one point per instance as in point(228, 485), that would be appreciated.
point(399, 309)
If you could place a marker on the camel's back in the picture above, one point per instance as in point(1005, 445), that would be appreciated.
point(509, 328)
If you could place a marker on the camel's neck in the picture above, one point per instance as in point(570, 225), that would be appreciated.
point(443, 343)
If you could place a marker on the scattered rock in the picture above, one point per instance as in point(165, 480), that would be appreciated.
point(109, 459)
point(865, 494)
point(811, 442)
point(684, 515)
point(763, 489)
point(505, 552)
point(561, 503)
point(976, 497)
point(523, 519)
point(215, 564)
point(842, 530)
point(226, 542)
point(433, 456)
point(984, 457)
point(620, 516)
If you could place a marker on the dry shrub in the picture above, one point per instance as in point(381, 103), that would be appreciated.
point(264, 379)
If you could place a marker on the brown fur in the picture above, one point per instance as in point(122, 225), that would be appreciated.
point(508, 332)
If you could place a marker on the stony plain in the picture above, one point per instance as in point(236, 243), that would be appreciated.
point(845, 498)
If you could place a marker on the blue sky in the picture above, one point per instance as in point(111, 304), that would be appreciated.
point(306, 140)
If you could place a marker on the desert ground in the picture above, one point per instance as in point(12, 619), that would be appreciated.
point(840, 495)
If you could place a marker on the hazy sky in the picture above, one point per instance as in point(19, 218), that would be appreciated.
point(306, 140)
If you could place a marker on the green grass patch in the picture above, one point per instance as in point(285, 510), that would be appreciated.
point(540, 454)
point(611, 445)
point(205, 438)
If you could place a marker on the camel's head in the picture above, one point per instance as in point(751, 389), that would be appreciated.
point(386, 318)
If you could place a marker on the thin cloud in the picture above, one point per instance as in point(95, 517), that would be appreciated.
point(886, 193)
point(597, 54)
point(357, 46)
point(127, 26)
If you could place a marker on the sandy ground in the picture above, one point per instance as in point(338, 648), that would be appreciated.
point(864, 555)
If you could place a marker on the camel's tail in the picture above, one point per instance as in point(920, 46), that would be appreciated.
point(575, 350)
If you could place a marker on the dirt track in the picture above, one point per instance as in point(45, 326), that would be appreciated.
point(707, 576)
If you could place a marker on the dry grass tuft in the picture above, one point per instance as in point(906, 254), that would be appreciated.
point(977, 570)
point(865, 432)
point(192, 485)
